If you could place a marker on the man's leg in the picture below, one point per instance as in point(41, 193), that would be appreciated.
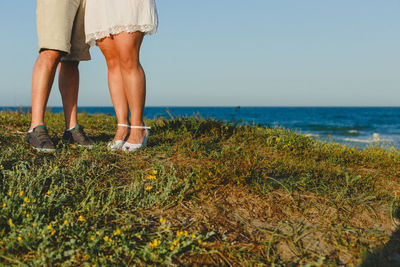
point(42, 81)
point(68, 82)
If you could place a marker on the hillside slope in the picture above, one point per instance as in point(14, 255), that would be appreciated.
point(202, 192)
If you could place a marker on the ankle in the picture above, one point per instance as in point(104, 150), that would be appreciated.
point(121, 134)
point(137, 123)
point(34, 125)
point(70, 126)
point(123, 125)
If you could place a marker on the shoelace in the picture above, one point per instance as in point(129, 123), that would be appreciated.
point(43, 137)
point(81, 133)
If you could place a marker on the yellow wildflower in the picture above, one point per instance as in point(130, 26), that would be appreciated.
point(179, 233)
point(49, 227)
point(199, 241)
point(186, 233)
point(19, 239)
point(106, 238)
point(151, 177)
point(92, 237)
point(176, 242)
point(10, 223)
point(28, 215)
point(4, 205)
point(149, 187)
point(80, 218)
point(53, 232)
point(48, 193)
point(172, 248)
point(34, 201)
point(26, 200)
point(193, 236)
point(155, 172)
point(163, 221)
point(155, 243)
point(65, 222)
point(21, 193)
point(117, 232)
point(9, 193)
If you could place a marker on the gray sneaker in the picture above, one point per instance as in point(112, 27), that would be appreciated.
point(39, 139)
point(77, 136)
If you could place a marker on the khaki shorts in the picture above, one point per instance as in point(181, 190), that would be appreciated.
point(60, 26)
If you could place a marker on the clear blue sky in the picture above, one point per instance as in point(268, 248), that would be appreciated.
point(231, 52)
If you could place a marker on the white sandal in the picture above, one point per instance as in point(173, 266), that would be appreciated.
point(128, 147)
point(118, 144)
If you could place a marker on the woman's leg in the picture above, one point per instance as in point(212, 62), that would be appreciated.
point(116, 86)
point(128, 47)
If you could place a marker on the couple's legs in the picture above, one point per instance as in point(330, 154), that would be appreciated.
point(126, 81)
point(42, 81)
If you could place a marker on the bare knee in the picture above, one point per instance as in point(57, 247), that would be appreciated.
point(129, 62)
point(49, 58)
point(113, 64)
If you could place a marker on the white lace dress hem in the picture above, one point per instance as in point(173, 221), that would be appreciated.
point(92, 38)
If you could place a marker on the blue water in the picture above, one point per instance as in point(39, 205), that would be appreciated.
point(353, 126)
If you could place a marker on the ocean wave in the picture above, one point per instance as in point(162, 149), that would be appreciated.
point(328, 128)
point(312, 135)
point(366, 141)
point(335, 130)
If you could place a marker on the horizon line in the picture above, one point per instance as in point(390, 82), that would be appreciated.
point(222, 106)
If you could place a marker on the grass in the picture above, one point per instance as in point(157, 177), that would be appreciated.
point(202, 192)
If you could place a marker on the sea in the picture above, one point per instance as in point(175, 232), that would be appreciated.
point(353, 126)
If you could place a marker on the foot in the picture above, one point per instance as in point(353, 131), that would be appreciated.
point(135, 145)
point(77, 136)
point(136, 136)
point(119, 138)
point(39, 139)
point(122, 132)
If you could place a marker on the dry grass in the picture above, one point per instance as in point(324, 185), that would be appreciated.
point(245, 195)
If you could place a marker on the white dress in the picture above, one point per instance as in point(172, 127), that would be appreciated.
point(106, 17)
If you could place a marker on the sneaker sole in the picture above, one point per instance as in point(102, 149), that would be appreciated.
point(48, 150)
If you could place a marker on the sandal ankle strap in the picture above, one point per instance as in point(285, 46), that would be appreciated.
point(139, 127)
point(123, 125)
